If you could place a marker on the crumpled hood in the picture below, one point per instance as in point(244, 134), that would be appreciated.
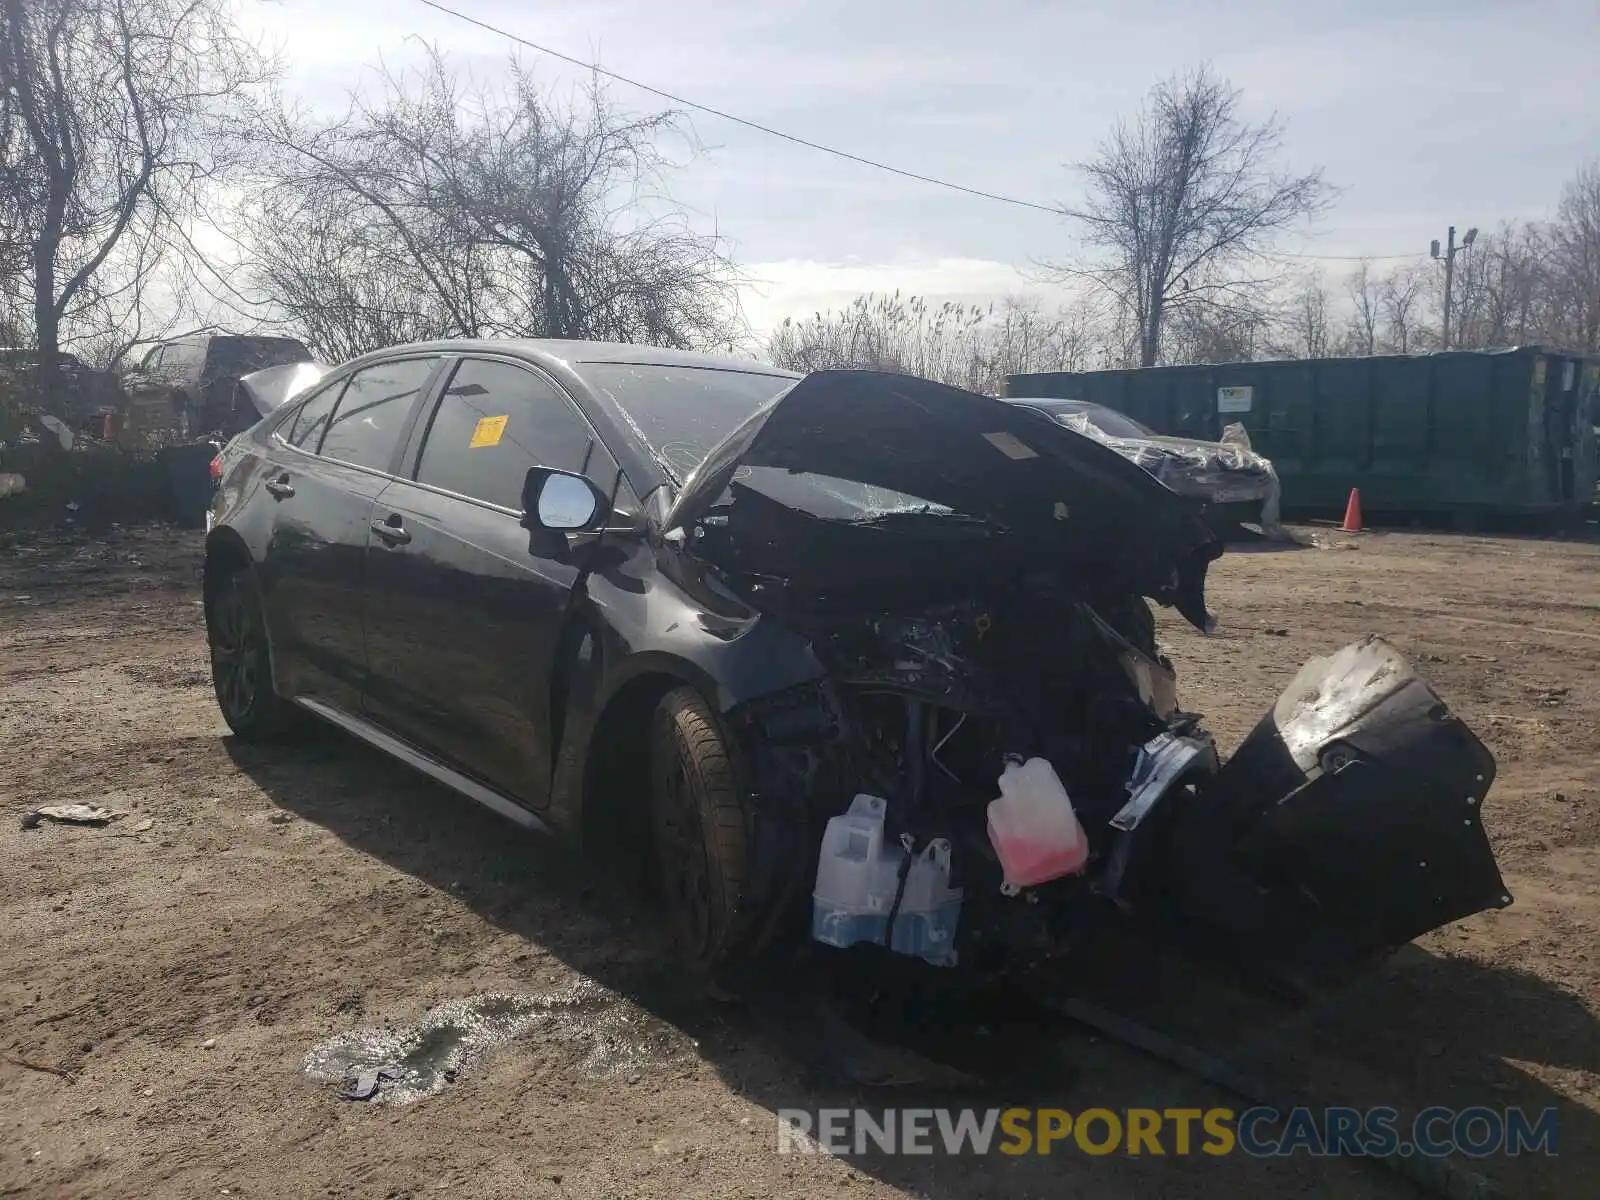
point(1043, 488)
point(272, 387)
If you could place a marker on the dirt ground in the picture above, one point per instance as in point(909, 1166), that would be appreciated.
point(163, 980)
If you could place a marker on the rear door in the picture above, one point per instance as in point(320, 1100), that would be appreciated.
point(464, 606)
point(337, 454)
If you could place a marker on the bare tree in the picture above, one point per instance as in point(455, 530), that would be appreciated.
point(1502, 288)
point(431, 210)
point(1182, 199)
point(108, 128)
point(336, 278)
point(1575, 262)
point(971, 346)
point(1402, 301)
point(1023, 337)
point(1217, 333)
point(1305, 324)
point(1365, 293)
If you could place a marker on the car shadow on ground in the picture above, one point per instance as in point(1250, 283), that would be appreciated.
point(1266, 546)
point(1446, 1031)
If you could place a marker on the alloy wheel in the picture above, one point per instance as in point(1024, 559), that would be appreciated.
point(238, 651)
point(685, 871)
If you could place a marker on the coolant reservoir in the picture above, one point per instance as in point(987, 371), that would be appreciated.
point(1032, 826)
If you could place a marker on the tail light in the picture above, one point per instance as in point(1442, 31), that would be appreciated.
point(216, 469)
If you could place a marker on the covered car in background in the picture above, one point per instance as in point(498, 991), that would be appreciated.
point(189, 386)
point(1238, 486)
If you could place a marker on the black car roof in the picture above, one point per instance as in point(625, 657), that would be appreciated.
point(195, 339)
point(565, 360)
point(574, 352)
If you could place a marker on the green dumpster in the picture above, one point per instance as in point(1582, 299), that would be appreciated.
point(1472, 432)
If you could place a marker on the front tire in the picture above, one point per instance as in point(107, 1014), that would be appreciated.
point(241, 662)
point(701, 831)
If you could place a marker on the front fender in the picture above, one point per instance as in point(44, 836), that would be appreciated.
point(630, 623)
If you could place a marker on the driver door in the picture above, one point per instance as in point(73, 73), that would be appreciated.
point(464, 606)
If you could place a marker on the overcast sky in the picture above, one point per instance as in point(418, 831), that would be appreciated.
point(1421, 112)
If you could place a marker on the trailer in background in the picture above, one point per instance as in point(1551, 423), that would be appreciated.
point(1501, 432)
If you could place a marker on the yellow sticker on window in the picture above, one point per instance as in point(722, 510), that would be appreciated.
point(489, 431)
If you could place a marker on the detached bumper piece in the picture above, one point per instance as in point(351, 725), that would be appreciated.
point(1348, 823)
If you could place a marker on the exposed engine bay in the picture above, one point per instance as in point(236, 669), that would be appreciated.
point(1344, 826)
point(942, 699)
point(995, 752)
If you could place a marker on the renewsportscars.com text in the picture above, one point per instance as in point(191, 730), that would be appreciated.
point(1476, 1132)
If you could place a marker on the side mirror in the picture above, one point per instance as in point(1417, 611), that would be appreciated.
point(561, 501)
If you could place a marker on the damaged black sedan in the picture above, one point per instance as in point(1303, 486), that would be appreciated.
point(853, 657)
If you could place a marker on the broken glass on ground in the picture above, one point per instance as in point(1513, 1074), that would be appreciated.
point(403, 1064)
point(70, 814)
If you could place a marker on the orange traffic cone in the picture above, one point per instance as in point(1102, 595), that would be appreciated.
point(1352, 512)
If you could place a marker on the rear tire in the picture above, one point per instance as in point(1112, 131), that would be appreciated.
point(241, 662)
point(700, 827)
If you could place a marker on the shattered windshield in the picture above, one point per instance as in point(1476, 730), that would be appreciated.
point(834, 499)
point(681, 412)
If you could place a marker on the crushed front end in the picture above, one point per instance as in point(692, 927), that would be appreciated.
point(996, 754)
point(1348, 823)
point(924, 713)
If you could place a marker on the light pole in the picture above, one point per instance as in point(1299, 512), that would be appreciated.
point(1451, 250)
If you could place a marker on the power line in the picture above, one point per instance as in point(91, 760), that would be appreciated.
point(1342, 257)
point(756, 125)
point(833, 150)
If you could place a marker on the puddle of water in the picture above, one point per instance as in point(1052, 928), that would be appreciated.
point(400, 1065)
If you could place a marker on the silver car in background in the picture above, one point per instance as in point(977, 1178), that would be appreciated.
point(1239, 486)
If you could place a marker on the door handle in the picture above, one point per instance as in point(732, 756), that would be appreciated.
point(280, 487)
point(392, 531)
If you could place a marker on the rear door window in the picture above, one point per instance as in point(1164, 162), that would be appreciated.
point(306, 428)
point(494, 421)
point(370, 418)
